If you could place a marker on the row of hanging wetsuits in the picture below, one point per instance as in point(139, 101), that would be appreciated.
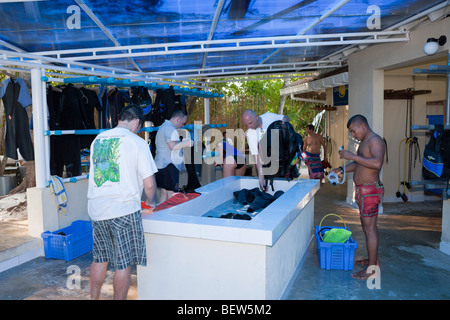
point(72, 108)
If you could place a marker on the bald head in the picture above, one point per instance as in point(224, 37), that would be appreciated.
point(250, 119)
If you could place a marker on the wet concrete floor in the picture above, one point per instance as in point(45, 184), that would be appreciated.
point(412, 267)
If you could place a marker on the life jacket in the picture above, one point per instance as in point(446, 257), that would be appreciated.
point(164, 106)
point(436, 157)
point(141, 98)
point(289, 147)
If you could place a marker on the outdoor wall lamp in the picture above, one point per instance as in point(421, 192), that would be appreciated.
point(432, 45)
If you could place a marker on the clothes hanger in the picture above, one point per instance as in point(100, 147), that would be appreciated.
point(56, 89)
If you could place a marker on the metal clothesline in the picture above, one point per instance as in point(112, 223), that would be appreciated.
point(94, 80)
point(189, 127)
point(40, 112)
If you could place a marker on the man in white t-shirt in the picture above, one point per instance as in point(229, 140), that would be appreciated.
point(121, 167)
point(257, 127)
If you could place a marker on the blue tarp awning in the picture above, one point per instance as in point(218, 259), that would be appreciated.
point(195, 36)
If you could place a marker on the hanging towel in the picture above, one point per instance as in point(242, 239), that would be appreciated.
point(57, 187)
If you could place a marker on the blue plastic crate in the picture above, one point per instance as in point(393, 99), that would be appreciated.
point(435, 119)
point(71, 242)
point(337, 256)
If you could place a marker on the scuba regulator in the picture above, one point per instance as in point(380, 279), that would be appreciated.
point(333, 177)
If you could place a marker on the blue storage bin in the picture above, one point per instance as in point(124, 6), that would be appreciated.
point(435, 119)
point(338, 256)
point(70, 242)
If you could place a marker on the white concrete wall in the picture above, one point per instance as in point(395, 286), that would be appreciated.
point(43, 210)
point(286, 254)
point(367, 82)
point(338, 133)
point(209, 269)
point(445, 238)
point(202, 269)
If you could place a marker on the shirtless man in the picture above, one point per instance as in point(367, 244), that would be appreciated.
point(366, 165)
point(311, 146)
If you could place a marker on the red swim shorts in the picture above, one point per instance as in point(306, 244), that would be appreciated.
point(368, 197)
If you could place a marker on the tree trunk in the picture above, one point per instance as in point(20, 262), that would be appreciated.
point(190, 104)
point(3, 165)
point(29, 181)
point(282, 100)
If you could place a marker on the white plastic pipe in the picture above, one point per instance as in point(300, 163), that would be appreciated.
point(45, 127)
point(307, 100)
point(38, 128)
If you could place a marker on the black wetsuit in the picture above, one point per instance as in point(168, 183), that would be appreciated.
point(65, 114)
point(17, 125)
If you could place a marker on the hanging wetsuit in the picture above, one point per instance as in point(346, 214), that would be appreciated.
point(56, 159)
point(103, 116)
point(66, 106)
point(180, 102)
point(89, 101)
point(116, 102)
point(16, 98)
point(164, 106)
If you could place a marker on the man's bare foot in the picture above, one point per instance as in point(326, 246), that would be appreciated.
point(361, 275)
point(363, 262)
point(364, 275)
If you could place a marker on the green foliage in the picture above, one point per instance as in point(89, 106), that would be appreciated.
point(300, 113)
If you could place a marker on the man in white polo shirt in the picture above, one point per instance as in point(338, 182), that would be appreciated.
point(257, 127)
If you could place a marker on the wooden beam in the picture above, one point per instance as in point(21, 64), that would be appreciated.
point(403, 94)
point(328, 108)
point(436, 103)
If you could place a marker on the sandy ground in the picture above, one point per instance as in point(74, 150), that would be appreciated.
point(13, 206)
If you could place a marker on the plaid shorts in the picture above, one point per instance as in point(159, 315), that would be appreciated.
point(120, 241)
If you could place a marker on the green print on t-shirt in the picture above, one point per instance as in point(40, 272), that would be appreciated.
point(106, 161)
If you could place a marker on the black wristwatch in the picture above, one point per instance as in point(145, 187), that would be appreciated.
point(342, 169)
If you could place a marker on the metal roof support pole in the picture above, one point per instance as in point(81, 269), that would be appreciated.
point(206, 110)
point(324, 16)
point(312, 25)
point(206, 106)
point(46, 128)
point(38, 93)
point(104, 29)
point(447, 105)
point(207, 120)
point(213, 28)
